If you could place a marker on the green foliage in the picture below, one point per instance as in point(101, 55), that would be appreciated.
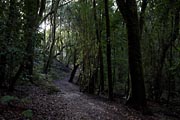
point(40, 77)
point(46, 81)
point(28, 114)
point(7, 99)
point(78, 44)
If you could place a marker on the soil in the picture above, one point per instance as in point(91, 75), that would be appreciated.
point(69, 104)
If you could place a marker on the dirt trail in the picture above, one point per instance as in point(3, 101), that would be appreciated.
point(86, 107)
point(69, 104)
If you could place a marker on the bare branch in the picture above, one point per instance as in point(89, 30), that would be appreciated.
point(54, 10)
point(122, 7)
point(142, 15)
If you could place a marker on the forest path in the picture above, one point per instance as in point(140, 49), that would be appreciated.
point(81, 106)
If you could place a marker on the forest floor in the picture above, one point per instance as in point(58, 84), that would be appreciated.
point(68, 104)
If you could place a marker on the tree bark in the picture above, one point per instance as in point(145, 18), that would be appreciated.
point(73, 73)
point(53, 37)
point(2, 68)
point(158, 77)
point(110, 84)
point(15, 78)
point(137, 97)
point(31, 8)
point(101, 64)
point(31, 23)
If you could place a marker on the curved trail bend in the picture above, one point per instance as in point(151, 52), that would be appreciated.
point(86, 107)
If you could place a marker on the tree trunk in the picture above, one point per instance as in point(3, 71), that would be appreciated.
point(135, 65)
point(31, 9)
point(15, 78)
point(73, 73)
point(158, 77)
point(11, 31)
point(92, 80)
point(2, 68)
point(100, 49)
point(110, 85)
point(31, 23)
point(55, 8)
point(52, 46)
point(137, 97)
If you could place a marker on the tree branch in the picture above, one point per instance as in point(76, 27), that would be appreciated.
point(122, 7)
point(62, 50)
point(42, 8)
point(142, 15)
point(54, 10)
